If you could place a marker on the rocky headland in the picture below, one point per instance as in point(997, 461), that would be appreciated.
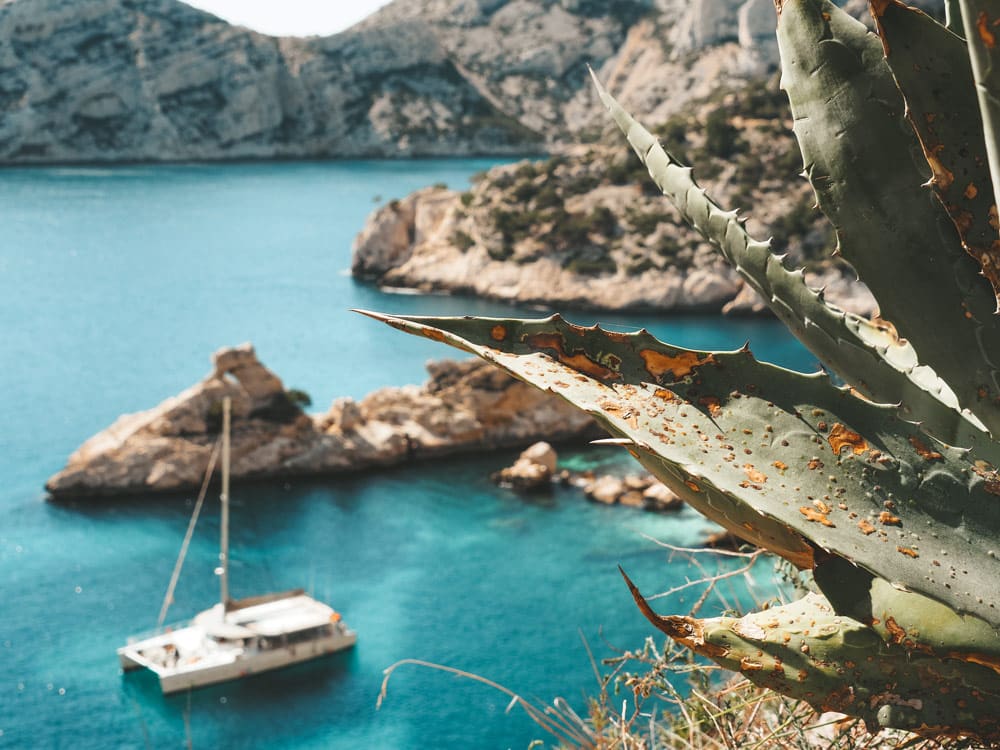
point(587, 229)
point(465, 406)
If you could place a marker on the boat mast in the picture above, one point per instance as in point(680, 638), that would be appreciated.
point(224, 500)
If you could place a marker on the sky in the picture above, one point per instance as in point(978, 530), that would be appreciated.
point(292, 17)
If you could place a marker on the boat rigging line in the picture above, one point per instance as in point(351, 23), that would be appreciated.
point(175, 576)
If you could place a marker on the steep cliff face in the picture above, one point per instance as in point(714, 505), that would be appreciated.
point(112, 80)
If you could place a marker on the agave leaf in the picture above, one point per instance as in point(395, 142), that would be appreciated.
point(775, 456)
point(981, 24)
point(932, 69)
point(866, 168)
point(905, 618)
point(870, 358)
point(835, 663)
point(953, 17)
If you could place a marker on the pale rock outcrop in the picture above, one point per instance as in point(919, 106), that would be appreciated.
point(533, 469)
point(410, 244)
point(635, 491)
point(464, 407)
point(423, 256)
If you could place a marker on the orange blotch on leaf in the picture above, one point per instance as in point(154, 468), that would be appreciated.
point(840, 436)
point(925, 453)
point(679, 365)
point(815, 516)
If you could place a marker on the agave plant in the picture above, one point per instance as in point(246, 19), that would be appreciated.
point(885, 489)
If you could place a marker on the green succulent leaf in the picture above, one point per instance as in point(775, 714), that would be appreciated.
point(867, 170)
point(981, 23)
point(835, 663)
point(931, 67)
point(869, 357)
point(786, 460)
point(953, 17)
point(911, 620)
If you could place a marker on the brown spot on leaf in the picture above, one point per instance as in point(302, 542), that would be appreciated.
point(664, 394)
point(814, 464)
point(780, 466)
point(909, 552)
point(971, 191)
point(679, 365)
point(866, 528)
point(815, 516)
point(750, 665)
point(822, 507)
point(925, 453)
point(576, 360)
point(983, 29)
point(692, 486)
point(713, 404)
point(754, 475)
point(943, 177)
point(964, 221)
point(840, 436)
point(498, 332)
point(896, 633)
point(887, 519)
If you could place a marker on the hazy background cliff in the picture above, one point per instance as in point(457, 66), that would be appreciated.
point(114, 80)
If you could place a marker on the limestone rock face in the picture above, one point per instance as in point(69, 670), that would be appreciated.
point(115, 80)
point(464, 407)
point(158, 80)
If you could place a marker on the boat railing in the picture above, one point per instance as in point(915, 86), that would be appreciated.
point(154, 632)
point(253, 601)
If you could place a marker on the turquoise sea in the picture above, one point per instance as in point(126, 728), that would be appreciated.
point(115, 287)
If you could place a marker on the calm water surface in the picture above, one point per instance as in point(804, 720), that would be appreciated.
point(115, 287)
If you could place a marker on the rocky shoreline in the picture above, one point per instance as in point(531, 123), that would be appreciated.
point(606, 246)
point(467, 406)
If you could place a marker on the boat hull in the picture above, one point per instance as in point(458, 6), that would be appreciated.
point(249, 637)
point(187, 676)
point(262, 662)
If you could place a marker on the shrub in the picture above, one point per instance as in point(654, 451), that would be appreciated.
point(461, 240)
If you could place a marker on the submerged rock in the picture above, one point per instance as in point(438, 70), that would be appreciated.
point(464, 407)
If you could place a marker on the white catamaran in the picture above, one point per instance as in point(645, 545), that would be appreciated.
point(235, 638)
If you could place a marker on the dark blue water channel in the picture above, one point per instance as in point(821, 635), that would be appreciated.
point(115, 287)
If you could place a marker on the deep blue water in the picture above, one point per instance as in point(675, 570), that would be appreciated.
point(115, 287)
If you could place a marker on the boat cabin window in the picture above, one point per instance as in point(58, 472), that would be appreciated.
point(310, 634)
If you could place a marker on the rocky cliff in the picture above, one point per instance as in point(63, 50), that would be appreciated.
point(465, 406)
point(113, 80)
